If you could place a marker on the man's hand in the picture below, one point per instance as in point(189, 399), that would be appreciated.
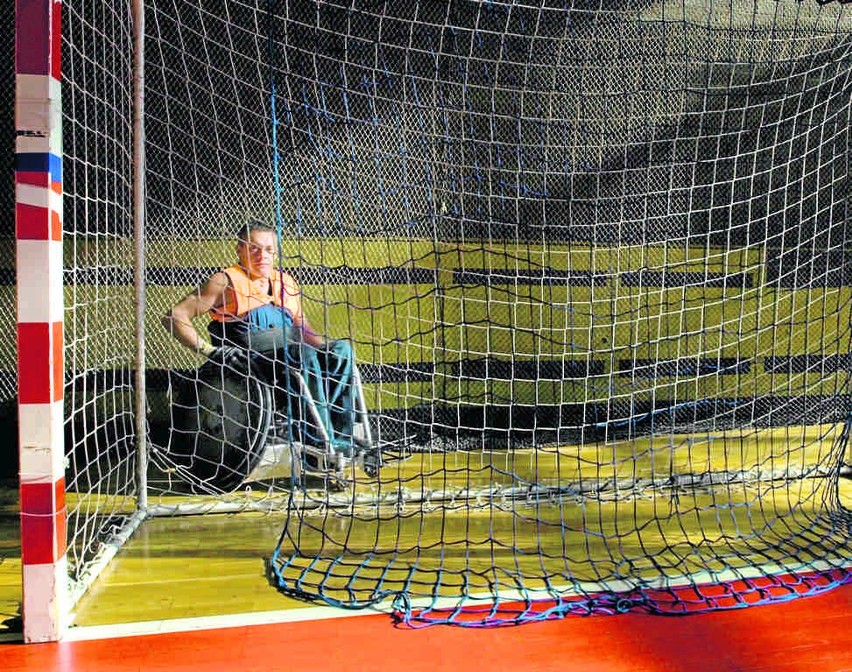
point(236, 359)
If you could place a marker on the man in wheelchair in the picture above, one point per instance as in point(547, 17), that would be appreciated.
point(269, 381)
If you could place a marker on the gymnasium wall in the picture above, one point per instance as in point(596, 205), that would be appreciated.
point(549, 320)
point(516, 335)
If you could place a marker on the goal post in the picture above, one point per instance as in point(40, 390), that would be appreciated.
point(591, 260)
point(71, 523)
point(40, 345)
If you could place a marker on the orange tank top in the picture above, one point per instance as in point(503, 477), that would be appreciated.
point(244, 295)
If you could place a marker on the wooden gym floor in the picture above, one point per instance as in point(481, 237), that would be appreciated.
point(191, 592)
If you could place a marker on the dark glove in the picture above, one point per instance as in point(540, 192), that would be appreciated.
point(337, 350)
point(232, 357)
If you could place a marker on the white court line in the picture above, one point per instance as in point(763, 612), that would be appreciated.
point(173, 625)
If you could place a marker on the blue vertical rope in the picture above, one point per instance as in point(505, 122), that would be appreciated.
point(279, 216)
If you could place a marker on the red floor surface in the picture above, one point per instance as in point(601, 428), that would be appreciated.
point(804, 635)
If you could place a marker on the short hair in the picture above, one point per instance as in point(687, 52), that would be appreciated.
point(244, 230)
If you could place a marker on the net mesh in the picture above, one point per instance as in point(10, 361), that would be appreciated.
point(592, 258)
point(98, 268)
point(8, 349)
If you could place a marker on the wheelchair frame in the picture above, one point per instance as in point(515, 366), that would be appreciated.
point(201, 441)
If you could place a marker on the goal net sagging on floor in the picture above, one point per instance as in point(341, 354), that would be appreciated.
point(592, 258)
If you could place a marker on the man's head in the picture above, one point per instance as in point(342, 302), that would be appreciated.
point(256, 248)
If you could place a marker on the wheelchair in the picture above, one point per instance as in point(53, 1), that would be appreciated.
point(292, 411)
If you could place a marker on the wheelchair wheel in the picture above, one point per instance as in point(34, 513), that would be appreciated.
point(220, 423)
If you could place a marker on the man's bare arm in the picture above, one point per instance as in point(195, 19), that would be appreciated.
point(178, 321)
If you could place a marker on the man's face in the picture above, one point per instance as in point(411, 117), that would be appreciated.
point(257, 254)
